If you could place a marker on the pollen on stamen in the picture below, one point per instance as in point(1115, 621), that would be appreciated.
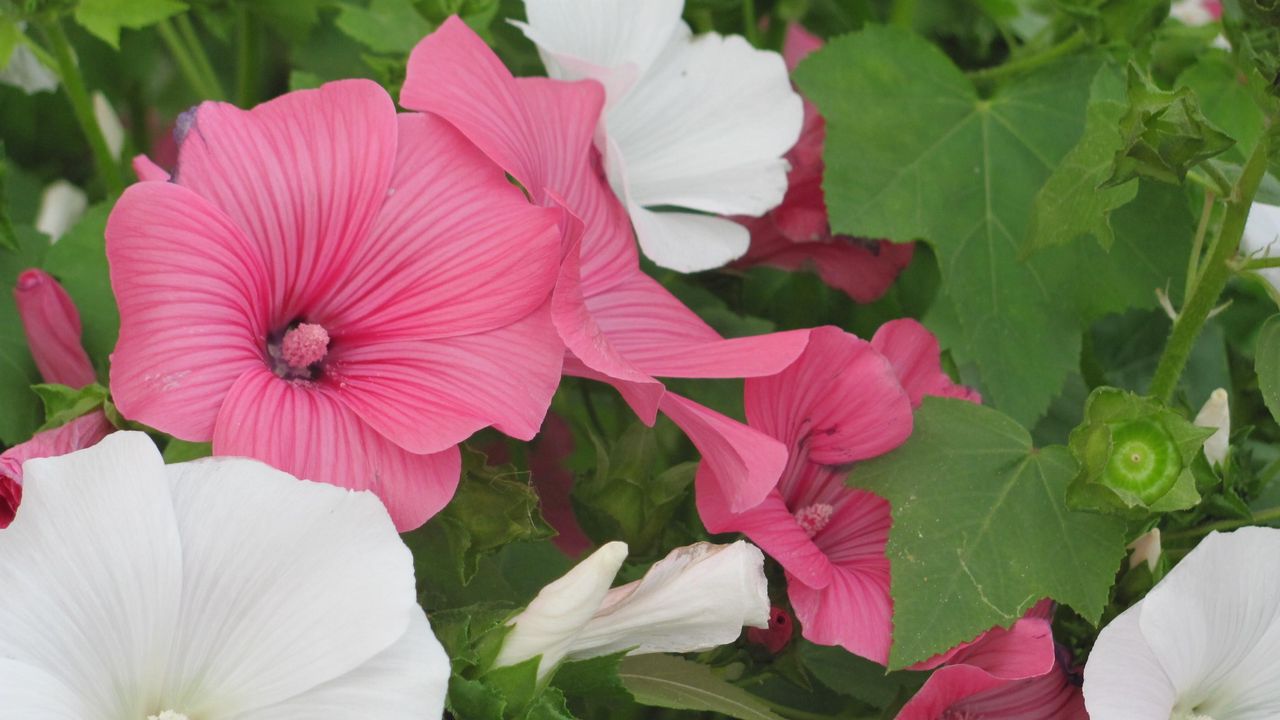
point(168, 715)
point(304, 346)
point(812, 518)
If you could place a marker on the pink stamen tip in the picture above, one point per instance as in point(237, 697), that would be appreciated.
point(812, 518)
point(304, 346)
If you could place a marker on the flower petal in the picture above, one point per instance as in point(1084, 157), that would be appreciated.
point(457, 249)
point(694, 599)
point(263, 554)
point(457, 385)
point(92, 574)
point(687, 242)
point(30, 694)
point(407, 681)
point(770, 525)
point(1124, 679)
point(76, 435)
point(745, 462)
point(852, 611)
point(616, 37)
point(913, 350)
point(303, 176)
point(656, 333)
point(192, 293)
point(309, 432)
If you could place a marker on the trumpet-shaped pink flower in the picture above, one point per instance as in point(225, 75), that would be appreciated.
point(52, 326)
point(796, 234)
point(620, 326)
point(338, 290)
point(844, 400)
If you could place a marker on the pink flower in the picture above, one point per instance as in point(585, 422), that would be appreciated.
point(778, 635)
point(620, 326)
point(844, 400)
point(335, 289)
point(52, 327)
point(796, 234)
point(1013, 674)
point(78, 434)
point(554, 482)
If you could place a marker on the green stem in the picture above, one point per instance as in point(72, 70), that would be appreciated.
point(82, 106)
point(1259, 518)
point(903, 13)
point(246, 57)
point(1030, 62)
point(1213, 276)
point(1261, 263)
point(750, 25)
point(1193, 262)
point(201, 58)
point(186, 63)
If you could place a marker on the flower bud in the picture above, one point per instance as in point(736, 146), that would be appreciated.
point(1216, 414)
point(52, 327)
point(61, 206)
point(775, 637)
point(1144, 459)
point(1146, 549)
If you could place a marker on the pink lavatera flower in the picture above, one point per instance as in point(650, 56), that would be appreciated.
point(1006, 674)
point(52, 326)
point(619, 325)
point(337, 290)
point(796, 235)
point(843, 401)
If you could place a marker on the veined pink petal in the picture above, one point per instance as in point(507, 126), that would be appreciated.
point(840, 402)
point(913, 350)
point(307, 431)
point(303, 176)
point(538, 130)
point(428, 395)
point(746, 463)
point(192, 291)
point(659, 335)
point(1041, 691)
point(146, 169)
point(769, 524)
point(52, 326)
point(456, 248)
point(798, 45)
point(853, 611)
point(76, 435)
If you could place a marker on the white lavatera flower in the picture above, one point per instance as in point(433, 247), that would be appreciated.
point(61, 207)
point(1202, 645)
point(219, 589)
point(1216, 414)
point(696, 598)
point(697, 123)
point(1262, 238)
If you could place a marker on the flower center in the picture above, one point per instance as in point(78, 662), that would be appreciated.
point(812, 518)
point(299, 352)
point(168, 715)
point(1144, 459)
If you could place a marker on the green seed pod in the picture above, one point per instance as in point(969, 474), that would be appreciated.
point(1144, 460)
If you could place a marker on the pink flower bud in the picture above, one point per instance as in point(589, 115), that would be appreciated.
point(777, 635)
point(52, 326)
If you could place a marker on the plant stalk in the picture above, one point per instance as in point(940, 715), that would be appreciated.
point(1030, 62)
point(1258, 518)
point(1213, 276)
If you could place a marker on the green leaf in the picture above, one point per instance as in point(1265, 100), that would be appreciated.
point(63, 404)
point(387, 26)
point(673, 682)
point(177, 451)
point(105, 18)
point(473, 700)
point(8, 239)
point(1229, 98)
point(79, 261)
point(981, 548)
point(1071, 203)
point(20, 411)
point(858, 677)
point(1267, 364)
point(1126, 21)
point(596, 677)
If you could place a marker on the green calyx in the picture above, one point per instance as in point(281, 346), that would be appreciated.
point(1135, 456)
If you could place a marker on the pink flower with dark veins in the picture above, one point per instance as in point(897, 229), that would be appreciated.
point(619, 325)
point(337, 290)
point(796, 235)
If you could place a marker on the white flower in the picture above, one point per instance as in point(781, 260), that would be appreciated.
point(1262, 238)
point(1203, 644)
point(1216, 414)
point(219, 588)
point(1194, 12)
point(25, 71)
point(696, 598)
point(700, 123)
point(61, 206)
point(109, 123)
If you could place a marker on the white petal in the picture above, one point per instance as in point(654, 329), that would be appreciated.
point(1216, 414)
point(696, 598)
point(91, 573)
point(407, 681)
point(1146, 549)
point(109, 122)
point(288, 585)
point(1262, 237)
point(1214, 623)
point(597, 39)
point(24, 70)
point(707, 126)
point(687, 242)
point(27, 693)
point(61, 206)
point(560, 611)
point(1123, 680)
